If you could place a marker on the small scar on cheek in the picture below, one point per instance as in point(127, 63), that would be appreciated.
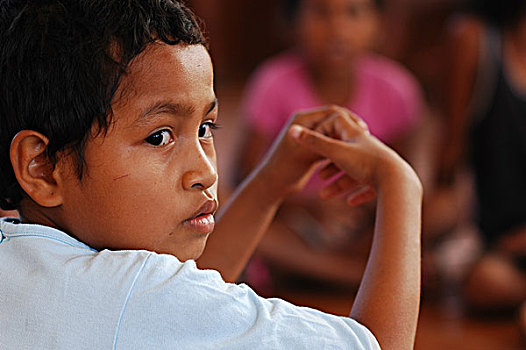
point(121, 177)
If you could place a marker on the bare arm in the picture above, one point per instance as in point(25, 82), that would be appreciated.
point(245, 218)
point(241, 224)
point(388, 298)
point(243, 221)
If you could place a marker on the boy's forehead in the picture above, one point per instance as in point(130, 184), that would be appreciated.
point(161, 60)
point(166, 72)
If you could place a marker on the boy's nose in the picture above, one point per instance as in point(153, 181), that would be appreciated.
point(201, 173)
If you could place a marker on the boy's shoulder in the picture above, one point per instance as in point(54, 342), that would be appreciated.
point(55, 255)
point(382, 76)
point(61, 291)
point(72, 291)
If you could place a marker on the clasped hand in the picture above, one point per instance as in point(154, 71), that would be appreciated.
point(337, 142)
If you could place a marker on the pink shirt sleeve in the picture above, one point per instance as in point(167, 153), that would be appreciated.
point(390, 99)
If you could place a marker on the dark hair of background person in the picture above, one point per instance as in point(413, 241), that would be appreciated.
point(499, 13)
point(291, 8)
point(60, 65)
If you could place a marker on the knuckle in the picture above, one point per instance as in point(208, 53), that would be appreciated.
point(343, 118)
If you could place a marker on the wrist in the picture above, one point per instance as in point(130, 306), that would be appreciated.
point(264, 185)
point(279, 182)
point(397, 175)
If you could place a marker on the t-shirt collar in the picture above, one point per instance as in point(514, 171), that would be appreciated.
point(10, 227)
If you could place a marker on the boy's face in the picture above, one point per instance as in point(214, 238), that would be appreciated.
point(151, 178)
point(332, 32)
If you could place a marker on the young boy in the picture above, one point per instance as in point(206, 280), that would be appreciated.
point(106, 145)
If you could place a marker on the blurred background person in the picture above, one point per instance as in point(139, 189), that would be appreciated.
point(331, 63)
point(485, 127)
point(414, 32)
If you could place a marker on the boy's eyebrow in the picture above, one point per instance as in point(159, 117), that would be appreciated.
point(212, 105)
point(172, 108)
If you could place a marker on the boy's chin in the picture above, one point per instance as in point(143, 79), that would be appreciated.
point(193, 253)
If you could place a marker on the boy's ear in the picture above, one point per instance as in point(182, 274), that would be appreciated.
point(34, 171)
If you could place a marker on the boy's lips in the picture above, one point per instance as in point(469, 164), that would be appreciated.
point(203, 219)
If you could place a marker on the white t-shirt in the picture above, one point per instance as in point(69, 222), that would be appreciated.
point(58, 293)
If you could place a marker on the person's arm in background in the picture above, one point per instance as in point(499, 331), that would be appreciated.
point(447, 194)
point(464, 47)
point(417, 147)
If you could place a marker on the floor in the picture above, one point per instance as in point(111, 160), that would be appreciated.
point(442, 325)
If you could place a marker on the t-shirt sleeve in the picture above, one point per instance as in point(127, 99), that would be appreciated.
point(175, 305)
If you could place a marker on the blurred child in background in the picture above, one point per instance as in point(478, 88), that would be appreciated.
point(486, 111)
point(331, 63)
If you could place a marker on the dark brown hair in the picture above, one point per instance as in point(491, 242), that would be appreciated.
point(61, 62)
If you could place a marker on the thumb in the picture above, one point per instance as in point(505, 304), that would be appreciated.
point(315, 141)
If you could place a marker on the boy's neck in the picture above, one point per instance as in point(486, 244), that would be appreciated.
point(31, 213)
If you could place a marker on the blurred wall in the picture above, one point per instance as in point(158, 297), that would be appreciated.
point(245, 32)
point(242, 33)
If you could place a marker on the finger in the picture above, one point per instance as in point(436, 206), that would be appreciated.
point(318, 143)
point(328, 171)
point(340, 126)
point(352, 157)
point(312, 117)
point(356, 118)
point(341, 185)
point(361, 196)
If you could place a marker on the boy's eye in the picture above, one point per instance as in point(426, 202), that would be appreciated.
point(205, 130)
point(160, 138)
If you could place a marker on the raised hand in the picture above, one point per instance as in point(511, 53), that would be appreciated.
point(344, 140)
point(388, 299)
point(287, 165)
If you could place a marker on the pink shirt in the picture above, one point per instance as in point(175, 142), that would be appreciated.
point(387, 96)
